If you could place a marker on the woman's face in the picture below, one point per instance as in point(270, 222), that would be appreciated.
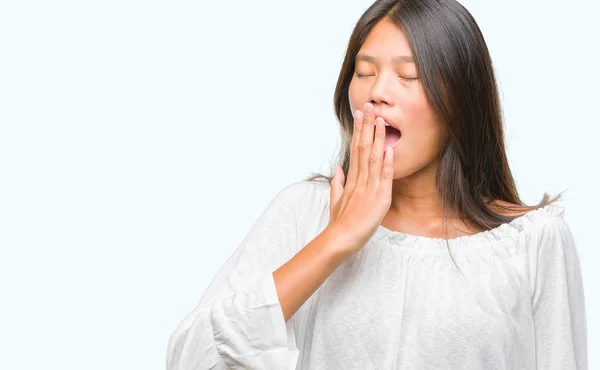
point(393, 86)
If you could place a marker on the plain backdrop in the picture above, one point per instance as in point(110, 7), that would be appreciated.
point(140, 141)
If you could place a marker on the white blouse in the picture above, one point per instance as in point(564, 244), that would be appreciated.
point(398, 303)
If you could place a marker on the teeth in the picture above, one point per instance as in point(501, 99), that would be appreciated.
point(387, 124)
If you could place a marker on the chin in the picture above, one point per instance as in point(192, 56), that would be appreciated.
point(403, 173)
point(406, 171)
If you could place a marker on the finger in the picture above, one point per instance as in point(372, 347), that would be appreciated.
point(364, 147)
point(376, 159)
point(354, 155)
point(387, 173)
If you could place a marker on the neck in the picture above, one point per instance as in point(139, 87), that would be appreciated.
point(417, 208)
point(417, 196)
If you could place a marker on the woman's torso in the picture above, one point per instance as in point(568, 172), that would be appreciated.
point(401, 302)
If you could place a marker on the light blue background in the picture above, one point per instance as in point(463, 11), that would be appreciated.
point(140, 141)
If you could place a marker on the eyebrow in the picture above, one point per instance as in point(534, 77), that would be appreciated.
point(372, 59)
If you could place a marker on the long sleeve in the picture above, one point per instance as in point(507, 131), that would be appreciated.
point(558, 302)
point(239, 322)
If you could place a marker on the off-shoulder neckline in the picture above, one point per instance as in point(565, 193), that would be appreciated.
point(527, 222)
point(507, 231)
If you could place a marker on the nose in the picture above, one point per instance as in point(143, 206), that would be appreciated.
point(383, 90)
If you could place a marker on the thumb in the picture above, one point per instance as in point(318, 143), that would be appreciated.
point(337, 186)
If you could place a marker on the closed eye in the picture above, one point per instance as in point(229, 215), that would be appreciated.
point(402, 78)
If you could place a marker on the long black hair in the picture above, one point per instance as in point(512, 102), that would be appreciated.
point(456, 71)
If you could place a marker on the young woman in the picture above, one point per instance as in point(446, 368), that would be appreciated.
point(418, 252)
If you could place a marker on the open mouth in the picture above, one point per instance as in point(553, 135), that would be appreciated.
point(392, 136)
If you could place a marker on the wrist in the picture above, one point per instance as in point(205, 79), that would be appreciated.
point(338, 242)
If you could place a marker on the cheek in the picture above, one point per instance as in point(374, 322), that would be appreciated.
point(420, 123)
point(421, 117)
point(426, 138)
point(421, 145)
point(423, 133)
point(416, 106)
point(422, 139)
point(354, 98)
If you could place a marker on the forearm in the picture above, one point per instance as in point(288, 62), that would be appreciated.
point(302, 275)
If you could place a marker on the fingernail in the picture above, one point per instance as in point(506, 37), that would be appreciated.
point(368, 109)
